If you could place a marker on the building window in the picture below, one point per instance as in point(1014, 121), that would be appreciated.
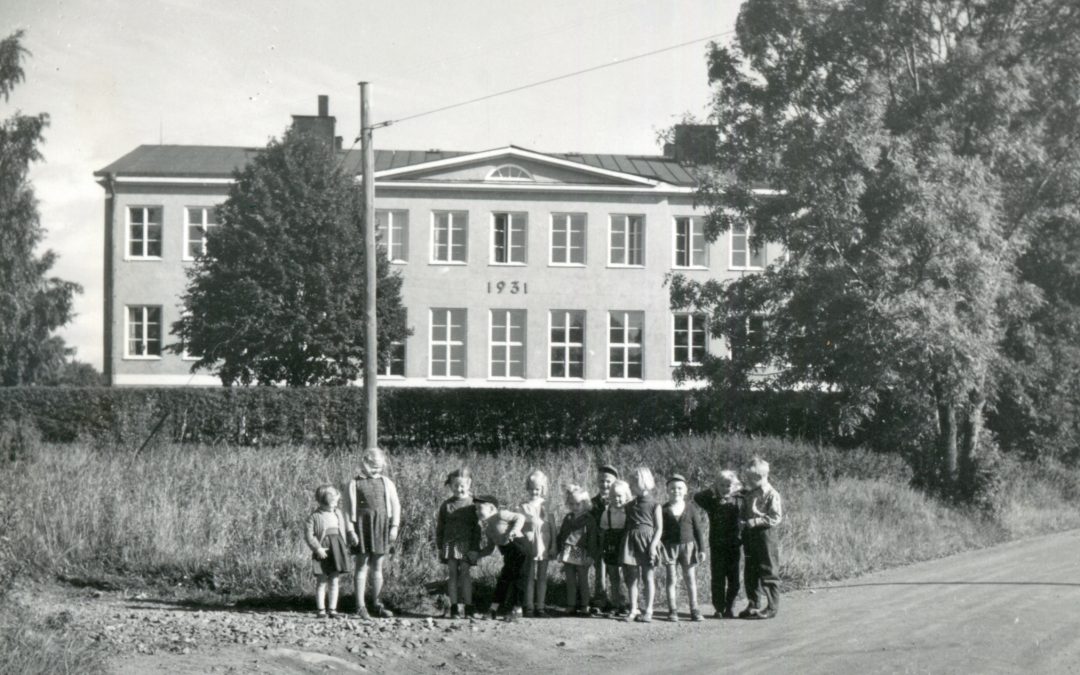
point(567, 345)
point(392, 229)
point(395, 366)
point(197, 223)
point(508, 234)
point(449, 235)
point(742, 256)
point(690, 248)
point(144, 231)
point(625, 345)
point(689, 338)
point(448, 342)
point(627, 241)
point(568, 239)
point(510, 172)
point(507, 353)
point(143, 331)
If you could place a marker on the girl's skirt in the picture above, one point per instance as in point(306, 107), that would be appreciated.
point(373, 528)
point(574, 555)
point(635, 550)
point(454, 550)
point(681, 554)
point(612, 545)
point(337, 558)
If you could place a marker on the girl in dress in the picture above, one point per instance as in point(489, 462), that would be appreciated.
point(612, 532)
point(644, 527)
point(682, 545)
point(539, 533)
point(323, 533)
point(578, 548)
point(374, 515)
point(457, 534)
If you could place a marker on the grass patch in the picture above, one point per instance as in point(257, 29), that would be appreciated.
point(216, 524)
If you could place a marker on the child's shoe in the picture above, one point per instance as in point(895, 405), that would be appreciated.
point(454, 613)
point(728, 613)
point(320, 614)
point(332, 614)
point(382, 612)
point(542, 613)
point(582, 611)
point(748, 612)
point(514, 615)
point(493, 613)
point(470, 612)
point(695, 615)
point(644, 618)
point(673, 615)
point(362, 613)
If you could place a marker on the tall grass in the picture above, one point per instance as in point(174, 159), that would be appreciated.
point(224, 522)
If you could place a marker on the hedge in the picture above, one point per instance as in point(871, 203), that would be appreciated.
point(482, 419)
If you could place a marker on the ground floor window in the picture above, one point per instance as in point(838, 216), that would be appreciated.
point(625, 348)
point(567, 345)
point(507, 343)
point(143, 331)
point(448, 341)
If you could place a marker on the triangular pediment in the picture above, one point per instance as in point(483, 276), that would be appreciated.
point(509, 166)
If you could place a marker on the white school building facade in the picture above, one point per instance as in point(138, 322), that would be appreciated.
point(520, 268)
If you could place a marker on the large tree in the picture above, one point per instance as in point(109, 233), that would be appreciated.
point(278, 297)
point(32, 304)
point(911, 147)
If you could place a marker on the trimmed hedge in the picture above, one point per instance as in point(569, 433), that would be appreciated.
point(482, 419)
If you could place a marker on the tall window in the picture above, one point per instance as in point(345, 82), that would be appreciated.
point(625, 345)
point(508, 234)
point(508, 343)
point(627, 240)
point(690, 248)
point(395, 367)
point(689, 338)
point(448, 337)
point(567, 345)
point(392, 228)
point(449, 234)
point(742, 256)
point(143, 331)
point(144, 231)
point(568, 239)
point(197, 223)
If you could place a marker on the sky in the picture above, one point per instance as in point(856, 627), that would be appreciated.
point(115, 74)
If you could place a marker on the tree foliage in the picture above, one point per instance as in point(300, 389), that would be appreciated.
point(279, 295)
point(32, 304)
point(915, 149)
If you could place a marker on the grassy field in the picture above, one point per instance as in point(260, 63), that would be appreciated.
point(222, 524)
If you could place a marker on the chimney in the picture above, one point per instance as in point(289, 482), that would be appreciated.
point(694, 144)
point(320, 126)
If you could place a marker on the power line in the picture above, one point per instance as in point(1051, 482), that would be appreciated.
point(551, 79)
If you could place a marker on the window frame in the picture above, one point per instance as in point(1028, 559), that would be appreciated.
point(567, 345)
point(748, 234)
point(569, 216)
point(143, 320)
point(527, 178)
point(697, 224)
point(146, 208)
point(387, 371)
point(390, 242)
point(693, 317)
point(508, 343)
point(511, 217)
point(206, 210)
point(628, 219)
point(626, 346)
point(449, 343)
point(464, 229)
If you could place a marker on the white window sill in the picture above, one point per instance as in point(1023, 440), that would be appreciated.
point(625, 267)
point(457, 263)
point(390, 377)
point(703, 268)
point(508, 264)
point(446, 378)
point(147, 258)
point(398, 262)
point(558, 264)
point(566, 379)
point(495, 378)
point(733, 268)
point(142, 358)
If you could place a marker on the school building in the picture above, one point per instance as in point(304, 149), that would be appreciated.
point(521, 268)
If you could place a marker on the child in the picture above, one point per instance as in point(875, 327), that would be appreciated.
point(539, 533)
point(374, 515)
point(682, 545)
point(761, 515)
point(503, 530)
point(724, 504)
point(577, 549)
point(606, 477)
point(323, 533)
point(457, 533)
point(644, 527)
point(612, 533)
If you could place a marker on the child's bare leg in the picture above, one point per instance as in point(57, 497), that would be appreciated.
point(452, 581)
point(690, 572)
point(376, 577)
point(360, 580)
point(320, 592)
point(631, 573)
point(541, 583)
point(332, 590)
point(649, 572)
point(671, 579)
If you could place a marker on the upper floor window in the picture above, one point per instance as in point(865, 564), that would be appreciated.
point(143, 332)
point(689, 338)
point(508, 237)
point(144, 231)
point(690, 247)
point(742, 256)
point(507, 344)
point(625, 348)
point(197, 223)
point(568, 239)
point(566, 358)
point(626, 241)
point(392, 228)
point(449, 235)
point(448, 336)
point(510, 172)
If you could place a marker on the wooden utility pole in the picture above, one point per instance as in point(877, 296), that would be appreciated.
point(371, 344)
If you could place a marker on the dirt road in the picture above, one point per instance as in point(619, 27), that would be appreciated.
point(1009, 609)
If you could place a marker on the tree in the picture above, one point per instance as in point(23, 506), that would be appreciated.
point(32, 304)
point(911, 147)
point(279, 295)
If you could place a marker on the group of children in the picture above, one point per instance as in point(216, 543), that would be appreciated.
point(623, 533)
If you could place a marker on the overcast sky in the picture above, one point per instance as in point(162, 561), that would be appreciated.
point(116, 74)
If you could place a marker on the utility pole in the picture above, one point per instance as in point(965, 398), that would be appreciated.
point(371, 345)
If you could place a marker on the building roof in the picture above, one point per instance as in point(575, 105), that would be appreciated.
point(206, 161)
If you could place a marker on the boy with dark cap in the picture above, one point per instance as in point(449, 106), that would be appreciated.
point(606, 477)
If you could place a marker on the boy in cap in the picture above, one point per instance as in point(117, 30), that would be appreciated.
point(606, 477)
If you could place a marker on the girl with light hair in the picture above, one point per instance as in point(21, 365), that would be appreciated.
point(374, 517)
